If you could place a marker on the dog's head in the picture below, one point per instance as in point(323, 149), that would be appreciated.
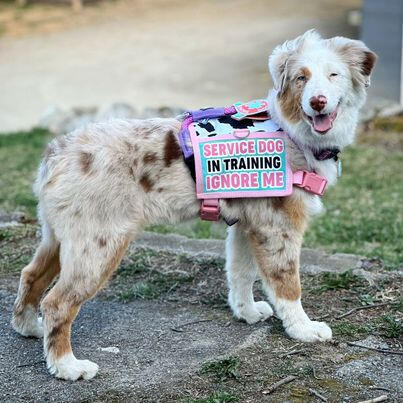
point(320, 83)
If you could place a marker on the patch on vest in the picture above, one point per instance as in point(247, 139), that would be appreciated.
point(235, 159)
point(226, 125)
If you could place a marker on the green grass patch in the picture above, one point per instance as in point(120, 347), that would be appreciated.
point(148, 274)
point(342, 281)
point(222, 370)
point(387, 325)
point(140, 290)
point(5, 234)
point(399, 305)
point(363, 210)
point(153, 286)
point(20, 154)
point(140, 262)
point(351, 329)
point(390, 326)
point(17, 245)
point(193, 229)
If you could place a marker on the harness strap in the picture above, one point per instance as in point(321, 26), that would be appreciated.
point(309, 181)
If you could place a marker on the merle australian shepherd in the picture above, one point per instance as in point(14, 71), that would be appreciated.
point(99, 186)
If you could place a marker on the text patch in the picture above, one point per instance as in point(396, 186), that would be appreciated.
point(255, 166)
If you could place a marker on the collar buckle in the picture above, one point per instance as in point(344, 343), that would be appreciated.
point(310, 181)
point(210, 210)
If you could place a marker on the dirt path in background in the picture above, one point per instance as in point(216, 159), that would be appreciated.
point(148, 53)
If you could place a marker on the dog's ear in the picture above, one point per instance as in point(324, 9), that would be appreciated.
point(281, 55)
point(359, 58)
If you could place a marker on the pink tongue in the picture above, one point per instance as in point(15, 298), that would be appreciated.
point(322, 123)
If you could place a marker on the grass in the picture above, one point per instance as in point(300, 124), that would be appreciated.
point(16, 247)
point(19, 155)
point(387, 325)
point(390, 326)
point(193, 229)
point(334, 281)
point(346, 328)
point(223, 369)
point(140, 290)
point(143, 276)
point(363, 211)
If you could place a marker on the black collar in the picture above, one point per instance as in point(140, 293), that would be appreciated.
point(326, 154)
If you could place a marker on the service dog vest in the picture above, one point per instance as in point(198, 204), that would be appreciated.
point(239, 152)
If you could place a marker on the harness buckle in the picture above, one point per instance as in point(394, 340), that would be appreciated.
point(210, 210)
point(311, 182)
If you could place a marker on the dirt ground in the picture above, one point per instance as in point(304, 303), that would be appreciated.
point(166, 314)
point(147, 52)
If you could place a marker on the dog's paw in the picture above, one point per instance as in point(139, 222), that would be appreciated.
point(71, 369)
point(28, 324)
point(309, 331)
point(258, 312)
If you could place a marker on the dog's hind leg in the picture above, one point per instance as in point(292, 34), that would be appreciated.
point(241, 275)
point(85, 267)
point(35, 279)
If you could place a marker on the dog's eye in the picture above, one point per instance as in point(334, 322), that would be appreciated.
point(301, 78)
point(333, 74)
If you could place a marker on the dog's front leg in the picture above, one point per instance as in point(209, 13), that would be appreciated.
point(241, 275)
point(277, 254)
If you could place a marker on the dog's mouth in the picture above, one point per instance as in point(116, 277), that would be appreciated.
point(323, 122)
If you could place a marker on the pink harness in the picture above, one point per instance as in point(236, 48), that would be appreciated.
point(246, 123)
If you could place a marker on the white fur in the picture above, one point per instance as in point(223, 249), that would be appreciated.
point(29, 325)
point(296, 322)
point(71, 369)
point(241, 281)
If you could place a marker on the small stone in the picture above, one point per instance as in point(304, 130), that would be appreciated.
point(113, 350)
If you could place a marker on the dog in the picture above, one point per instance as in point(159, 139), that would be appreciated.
point(100, 186)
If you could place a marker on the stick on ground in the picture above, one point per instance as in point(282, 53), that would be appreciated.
point(376, 399)
point(381, 350)
point(317, 394)
point(276, 385)
point(179, 327)
point(360, 308)
point(31, 363)
point(292, 352)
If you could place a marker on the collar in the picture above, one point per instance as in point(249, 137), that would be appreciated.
point(319, 155)
point(326, 154)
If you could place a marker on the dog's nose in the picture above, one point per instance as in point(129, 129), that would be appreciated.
point(318, 103)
